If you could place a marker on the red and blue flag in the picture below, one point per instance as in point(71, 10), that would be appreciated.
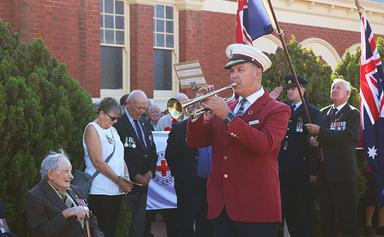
point(372, 112)
point(252, 21)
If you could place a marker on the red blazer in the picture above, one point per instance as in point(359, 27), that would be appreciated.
point(244, 177)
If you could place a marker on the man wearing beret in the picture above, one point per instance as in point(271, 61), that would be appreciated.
point(245, 135)
point(297, 161)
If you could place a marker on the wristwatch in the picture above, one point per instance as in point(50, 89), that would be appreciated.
point(230, 117)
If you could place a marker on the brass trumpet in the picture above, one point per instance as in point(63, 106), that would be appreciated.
point(176, 109)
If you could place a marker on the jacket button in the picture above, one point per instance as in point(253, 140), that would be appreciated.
point(225, 157)
point(225, 176)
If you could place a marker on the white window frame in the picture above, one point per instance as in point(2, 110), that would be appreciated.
point(161, 96)
point(117, 93)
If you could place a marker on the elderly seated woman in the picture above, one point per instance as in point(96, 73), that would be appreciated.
point(56, 208)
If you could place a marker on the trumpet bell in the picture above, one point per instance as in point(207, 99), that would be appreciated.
point(175, 108)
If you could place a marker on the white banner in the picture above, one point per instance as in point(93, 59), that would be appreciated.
point(161, 192)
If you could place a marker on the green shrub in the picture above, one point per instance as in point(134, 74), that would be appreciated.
point(41, 109)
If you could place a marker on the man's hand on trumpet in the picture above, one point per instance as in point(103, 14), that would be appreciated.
point(217, 105)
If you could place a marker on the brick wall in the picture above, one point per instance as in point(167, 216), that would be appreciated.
point(69, 28)
point(141, 48)
point(205, 36)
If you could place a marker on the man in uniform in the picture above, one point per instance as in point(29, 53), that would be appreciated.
point(337, 134)
point(243, 187)
point(297, 164)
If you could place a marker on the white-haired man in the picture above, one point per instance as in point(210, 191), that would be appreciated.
point(243, 187)
point(337, 133)
point(54, 207)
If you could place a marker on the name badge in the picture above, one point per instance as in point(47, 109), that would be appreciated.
point(254, 122)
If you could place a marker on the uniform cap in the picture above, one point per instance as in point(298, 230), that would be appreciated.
point(241, 53)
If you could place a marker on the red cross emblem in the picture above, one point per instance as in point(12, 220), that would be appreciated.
point(163, 168)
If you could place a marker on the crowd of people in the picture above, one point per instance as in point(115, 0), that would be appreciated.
point(240, 169)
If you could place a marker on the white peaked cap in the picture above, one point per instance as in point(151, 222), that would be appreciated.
point(241, 53)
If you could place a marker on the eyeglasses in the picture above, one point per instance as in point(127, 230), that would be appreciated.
point(112, 118)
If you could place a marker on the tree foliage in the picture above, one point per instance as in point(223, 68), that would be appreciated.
point(41, 109)
point(308, 65)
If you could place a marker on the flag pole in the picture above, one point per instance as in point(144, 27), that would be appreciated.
point(359, 7)
point(293, 71)
point(281, 36)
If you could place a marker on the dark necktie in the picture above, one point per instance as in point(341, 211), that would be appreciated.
point(139, 133)
point(293, 107)
point(332, 114)
point(241, 109)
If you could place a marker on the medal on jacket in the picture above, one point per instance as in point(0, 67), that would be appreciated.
point(285, 146)
point(3, 226)
point(299, 125)
point(129, 142)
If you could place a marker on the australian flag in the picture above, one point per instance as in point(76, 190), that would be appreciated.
point(372, 112)
point(252, 21)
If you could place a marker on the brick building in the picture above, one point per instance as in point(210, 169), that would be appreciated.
point(115, 46)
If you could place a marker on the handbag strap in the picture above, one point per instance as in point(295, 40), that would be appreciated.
point(106, 161)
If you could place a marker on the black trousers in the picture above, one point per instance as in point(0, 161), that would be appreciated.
point(192, 212)
point(225, 227)
point(137, 202)
point(169, 216)
point(107, 211)
point(297, 201)
point(338, 199)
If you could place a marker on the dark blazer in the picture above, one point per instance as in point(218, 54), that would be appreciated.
point(338, 139)
point(297, 157)
point(44, 212)
point(138, 158)
point(181, 159)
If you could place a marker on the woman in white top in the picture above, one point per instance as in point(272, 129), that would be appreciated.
point(101, 140)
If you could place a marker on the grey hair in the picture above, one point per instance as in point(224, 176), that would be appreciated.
point(346, 84)
point(136, 94)
point(50, 162)
point(109, 104)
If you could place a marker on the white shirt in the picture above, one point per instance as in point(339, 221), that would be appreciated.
point(340, 107)
point(250, 100)
point(102, 185)
point(297, 105)
point(164, 121)
point(134, 126)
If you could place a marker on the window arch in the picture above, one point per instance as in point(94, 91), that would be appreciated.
point(324, 49)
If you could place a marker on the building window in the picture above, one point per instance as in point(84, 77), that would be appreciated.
point(163, 44)
point(112, 43)
point(111, 71)
point(112, 22)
